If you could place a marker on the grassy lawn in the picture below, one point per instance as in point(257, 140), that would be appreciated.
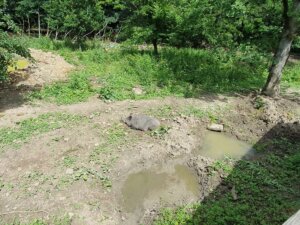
point(112, 70)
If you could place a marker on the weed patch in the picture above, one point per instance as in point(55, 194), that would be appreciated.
point(65, 220)
point(267, 193)
point(176, 72)
point(30, 127)
point(211, 114)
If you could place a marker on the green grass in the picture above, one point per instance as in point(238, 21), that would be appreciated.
point(78, 89)
point(54, 221)
point(166, 111)
point(291, 75)
point(267, 191)
point(176, 72)
point(34, 126)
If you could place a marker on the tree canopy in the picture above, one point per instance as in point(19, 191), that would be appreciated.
point(179, 23)
point(194, 23)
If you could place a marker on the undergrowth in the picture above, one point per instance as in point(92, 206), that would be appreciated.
point(115, 70)
point(267, 193)
point(34, 126)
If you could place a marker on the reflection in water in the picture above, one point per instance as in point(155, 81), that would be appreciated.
point(153, 184)
point(217, 146)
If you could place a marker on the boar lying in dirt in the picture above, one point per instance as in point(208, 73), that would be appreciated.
point(141, 122)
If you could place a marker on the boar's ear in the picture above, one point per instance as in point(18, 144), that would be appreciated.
point(130, 116)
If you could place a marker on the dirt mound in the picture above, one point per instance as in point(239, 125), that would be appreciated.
point(46, 69)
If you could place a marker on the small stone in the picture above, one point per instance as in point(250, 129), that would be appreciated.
point(97, 145)
point(71, 215)
point(62, 198)
point(216, 127)
point(69, 171)
point(66, 139)
point(19, 169)
point(137, 91)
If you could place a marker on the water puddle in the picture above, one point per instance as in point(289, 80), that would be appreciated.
point(149, 187)
point(217, 146)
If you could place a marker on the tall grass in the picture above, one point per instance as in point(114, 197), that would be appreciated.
point(175, 72)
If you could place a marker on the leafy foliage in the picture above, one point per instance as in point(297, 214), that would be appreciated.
point(8, 47)
point(184, 23)
point(112, 72)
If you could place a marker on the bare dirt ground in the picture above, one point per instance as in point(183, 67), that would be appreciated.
point(79, 170)
point(46, 68)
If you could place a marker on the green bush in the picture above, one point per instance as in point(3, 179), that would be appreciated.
point(8, 47)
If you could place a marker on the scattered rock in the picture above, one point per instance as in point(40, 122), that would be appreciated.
point(69, 171)
point(62, 198)
point(141, 122)
point(216, 127)
point(137, 91)
point(71, 215)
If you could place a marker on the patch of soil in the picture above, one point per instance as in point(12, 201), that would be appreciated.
point(68, 171)
point(46, 68)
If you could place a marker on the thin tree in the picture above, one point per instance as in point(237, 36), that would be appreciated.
point(290, 27)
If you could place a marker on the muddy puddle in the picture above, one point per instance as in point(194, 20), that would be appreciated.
point(174, 183)
point(159, 185)
point(218, 146)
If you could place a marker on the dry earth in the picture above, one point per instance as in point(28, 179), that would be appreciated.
point(79, 169)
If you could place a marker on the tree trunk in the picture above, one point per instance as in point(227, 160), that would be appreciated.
point(29, 27)
point(56, 35)
point(39, 24)
point(47, 34)
point(23, 26)
point(155, 46)
point(272, 87)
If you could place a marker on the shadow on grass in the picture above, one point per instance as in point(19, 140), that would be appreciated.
point(12, 95)
point(263, 190)
point(267, 188)
point(10, 99)
point(198, 71)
